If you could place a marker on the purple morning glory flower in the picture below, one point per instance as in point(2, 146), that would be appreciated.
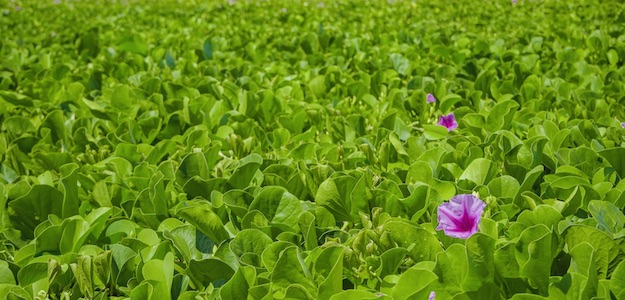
point(449, 121)
point(460, 216)
point(432, 295)
point(430, 98)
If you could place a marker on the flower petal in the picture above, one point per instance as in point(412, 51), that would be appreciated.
point(449, 121)
point(460, 216)
point(432, 295)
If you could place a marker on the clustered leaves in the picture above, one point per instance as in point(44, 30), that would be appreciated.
point(291, 150)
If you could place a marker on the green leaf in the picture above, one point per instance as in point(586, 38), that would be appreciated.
point(534, 252)
point(307, 226)
point(161, 271)
point(122, 98)
point(278, 206)
point(102, 267)
point(528, 181)
point(329, 264)
point(617, 282)
point(290, 269)
point(452, 268)
point(317, 85)
point(272, 253)
point(205, 220)
point(194, 164)
point(83, 271)
point(69, 184)
point(610, 218)
point(133, 44)
point(504, 187)
point(237, 287)
point(405, 233)
point(32, 273)
point(75, 231)
point(55, 121)
point(422, 172)
point(448, 102)
point(481, 265)
point(145, 290)
point(14, 292)
point(245, 171)
point(501, 115)
point(434, 132)
point(248, 245)
point(18, 125)
point(6, 276)
point(15, 98)
point(413, 284)
point(612, 57)
point(480, 171)
point(210, 271)
point(207, 49)
point(35, 207)
point(419, 200)
point(541, 214)
point(583, 263)
point(123, 263)
point(615, 156)
point(184, 240)
point(357, 295)
point(608, 253)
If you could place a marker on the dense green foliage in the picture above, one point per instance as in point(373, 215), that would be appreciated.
point(285, 149)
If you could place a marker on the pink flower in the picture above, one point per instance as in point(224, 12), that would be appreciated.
point(432, 295)
point(449, 121)
point(430, 98)
point(460, 216)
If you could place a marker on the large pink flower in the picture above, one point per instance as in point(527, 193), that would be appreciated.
point(449, 121)
point(460, 216)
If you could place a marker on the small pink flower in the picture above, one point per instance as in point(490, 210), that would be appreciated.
point(432, 295)
point(460, 216)
point(449, 121)
point(430, 98)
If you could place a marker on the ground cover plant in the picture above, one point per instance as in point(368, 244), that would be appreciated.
point(312, 150)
